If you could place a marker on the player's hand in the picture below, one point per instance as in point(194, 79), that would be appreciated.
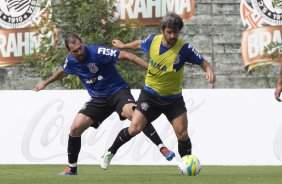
point(39, 86)
point(277, 93)
point(118, 44)
point(210, 77)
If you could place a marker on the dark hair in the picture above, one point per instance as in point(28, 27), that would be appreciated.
point(71, 39)
point(171, 20)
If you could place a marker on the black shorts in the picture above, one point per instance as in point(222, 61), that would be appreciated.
point(152, 107)
point(98, 109)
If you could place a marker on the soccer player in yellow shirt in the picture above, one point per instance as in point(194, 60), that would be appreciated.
point(162, 92)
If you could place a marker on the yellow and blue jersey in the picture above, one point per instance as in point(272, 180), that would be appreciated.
point(166, 66)
point(97, 71)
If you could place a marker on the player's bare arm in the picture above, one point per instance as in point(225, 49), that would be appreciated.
point(132, 45)
point(210, 76)
point(57, 75)
point(278, 89)
point(132, 57)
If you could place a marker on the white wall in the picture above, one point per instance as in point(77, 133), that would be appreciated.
point(226, 126)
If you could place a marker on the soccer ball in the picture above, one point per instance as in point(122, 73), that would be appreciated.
point(189, 165)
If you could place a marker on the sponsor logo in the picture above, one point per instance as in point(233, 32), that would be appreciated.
point(90, 81)
point(149, 12)
point(107, 52)
point(153, 133)
point(93, 80)
point(17, 42)
point(18, 38)
point(262, 19)
point(158, 66)
point(194, 50)
point(100, 77)
point(44, 134)
point(18, 14)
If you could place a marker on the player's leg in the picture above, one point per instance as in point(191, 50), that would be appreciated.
point(149, 106)
point(176, 113)
point(127, 109)
point(153, 135)
point(150, 131)
point(138, 122)
point(124, 99)
point(80, 124)
point(92, 114)
point(123, 103)
point(180, 125)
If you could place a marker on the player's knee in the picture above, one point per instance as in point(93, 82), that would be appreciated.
point(182, 136)
point(127, 112)
point(127, 115)
point(75, 130)
point(134, 130)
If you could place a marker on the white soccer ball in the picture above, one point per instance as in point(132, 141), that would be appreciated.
point(189, 165)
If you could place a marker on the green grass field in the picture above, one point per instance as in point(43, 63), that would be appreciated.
point(30, 174)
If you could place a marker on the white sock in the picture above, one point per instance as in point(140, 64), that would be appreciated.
point(73, 165)
point(161, 145)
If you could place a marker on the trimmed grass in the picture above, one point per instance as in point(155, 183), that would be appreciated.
point(30, 174)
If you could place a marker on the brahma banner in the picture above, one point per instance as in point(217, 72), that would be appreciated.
point(150, 12)
point(263, 20)
point(17, 38)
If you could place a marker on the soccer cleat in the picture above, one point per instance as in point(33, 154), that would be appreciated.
point(67, 171)
point(106, 159)
point(180, 168)
point(167, 153)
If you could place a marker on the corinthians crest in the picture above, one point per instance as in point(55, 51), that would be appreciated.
point(18, 13)
point(271, 11)
point(92, 67)
point(263, 22)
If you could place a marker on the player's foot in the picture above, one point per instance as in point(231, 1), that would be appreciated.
point(167, 153)
point(106, 160)
point(68, 171)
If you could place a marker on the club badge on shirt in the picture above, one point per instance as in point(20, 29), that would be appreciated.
point(92, 67)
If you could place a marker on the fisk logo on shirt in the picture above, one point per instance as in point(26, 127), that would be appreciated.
point(107, 52)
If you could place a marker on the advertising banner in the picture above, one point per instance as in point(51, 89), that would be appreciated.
point(17, 38)
point(150, 12)
point(226, 127)
point(263, 22)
